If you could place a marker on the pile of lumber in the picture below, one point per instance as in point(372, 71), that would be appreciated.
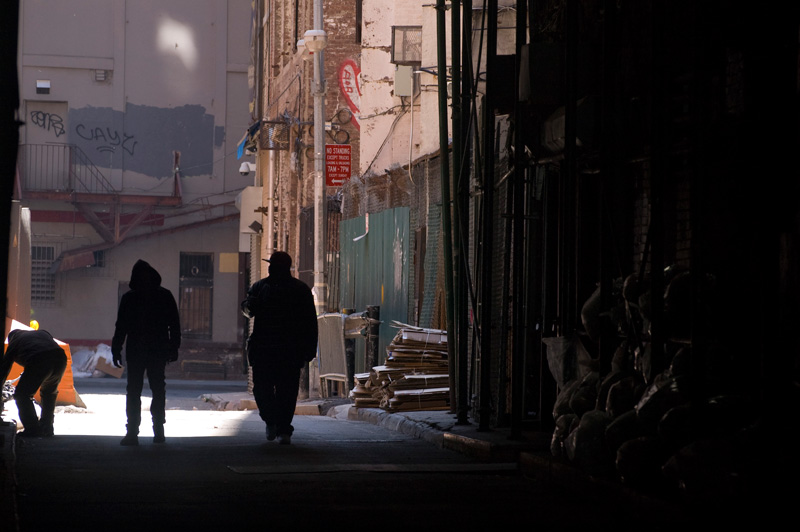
point(414, 377)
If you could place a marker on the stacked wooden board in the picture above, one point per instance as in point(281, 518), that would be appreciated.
point(414, 377)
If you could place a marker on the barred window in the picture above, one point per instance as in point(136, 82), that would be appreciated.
point(43, 282)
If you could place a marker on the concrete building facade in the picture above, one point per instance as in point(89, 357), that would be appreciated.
point(132, 115)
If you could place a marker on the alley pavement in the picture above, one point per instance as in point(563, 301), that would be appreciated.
point(527, 454)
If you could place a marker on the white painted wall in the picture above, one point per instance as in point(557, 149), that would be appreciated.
point(385, 119)
point(380, 106)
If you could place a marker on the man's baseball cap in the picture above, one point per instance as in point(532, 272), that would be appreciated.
point(280, 259)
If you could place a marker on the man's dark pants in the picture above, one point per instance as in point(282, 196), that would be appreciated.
point(155, 368)
point(44, 373)
point(275, 389)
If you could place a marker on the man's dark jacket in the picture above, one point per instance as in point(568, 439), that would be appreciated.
point(23, 346)
point(147, 317)
point(285, 328)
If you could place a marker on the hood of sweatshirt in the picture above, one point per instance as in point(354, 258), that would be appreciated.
point(144, 277)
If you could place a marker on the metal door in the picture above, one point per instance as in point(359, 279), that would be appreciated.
point(196, 291)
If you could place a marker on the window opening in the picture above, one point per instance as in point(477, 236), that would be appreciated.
point(43, 281)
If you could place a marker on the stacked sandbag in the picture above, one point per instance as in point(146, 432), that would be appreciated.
point(645, 426)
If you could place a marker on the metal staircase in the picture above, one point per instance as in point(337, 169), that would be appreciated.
point(63, 172)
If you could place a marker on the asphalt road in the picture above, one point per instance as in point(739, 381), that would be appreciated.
point(217, 471)
point(176, 389)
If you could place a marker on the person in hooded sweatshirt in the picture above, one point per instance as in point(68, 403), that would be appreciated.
point(148, 319)
point(284, 338)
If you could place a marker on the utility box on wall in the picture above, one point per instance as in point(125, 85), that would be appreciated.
point(248, 201)
point(404, 81)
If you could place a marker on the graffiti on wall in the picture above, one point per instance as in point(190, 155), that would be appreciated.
point(49, 122)
point(143, 138)
point(349, 85)
point(106, 139)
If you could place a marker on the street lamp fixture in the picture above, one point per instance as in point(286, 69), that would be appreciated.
point(315, 40)
point(304, 51)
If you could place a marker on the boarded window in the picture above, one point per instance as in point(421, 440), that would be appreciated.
point(196, 290)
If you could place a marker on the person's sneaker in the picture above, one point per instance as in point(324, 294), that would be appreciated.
point(47, 431)
point(30, 433)
point(284, 439)
point(130, 439)
point(272, 432)
point(158, 434)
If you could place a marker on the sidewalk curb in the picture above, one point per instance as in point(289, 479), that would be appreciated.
point(397, 423)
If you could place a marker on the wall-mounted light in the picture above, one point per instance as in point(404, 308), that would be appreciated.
point(100, 75)
point(42, 86)
point(304, 51)
point(315, 40)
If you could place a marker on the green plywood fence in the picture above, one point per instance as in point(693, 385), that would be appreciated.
point(374, 270)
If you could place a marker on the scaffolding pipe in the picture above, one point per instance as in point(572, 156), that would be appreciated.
point(459, 336)
point(487, 234)
point(518, 247)
point(444, 152)
point(567, 236)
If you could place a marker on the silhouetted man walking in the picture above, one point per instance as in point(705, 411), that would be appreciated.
point(148, 318)
point(284, 338)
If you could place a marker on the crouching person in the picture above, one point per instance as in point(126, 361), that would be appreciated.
point(44, 363)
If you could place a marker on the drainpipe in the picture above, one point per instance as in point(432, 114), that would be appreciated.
point(268, 233)
point(269, 226)
point(320, 287)
point(441, 49)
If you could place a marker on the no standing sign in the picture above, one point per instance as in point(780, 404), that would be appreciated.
point(337, 164)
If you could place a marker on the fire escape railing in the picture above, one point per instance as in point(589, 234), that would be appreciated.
point(60, 168)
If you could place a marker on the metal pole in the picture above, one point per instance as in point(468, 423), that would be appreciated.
point(487, 231)
point(320, 286)
point(444, 153)
point(373, 328)
point(519, 308)
point(459, 335)
point(567, 267)
point(461, 219)
point(349, 355)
